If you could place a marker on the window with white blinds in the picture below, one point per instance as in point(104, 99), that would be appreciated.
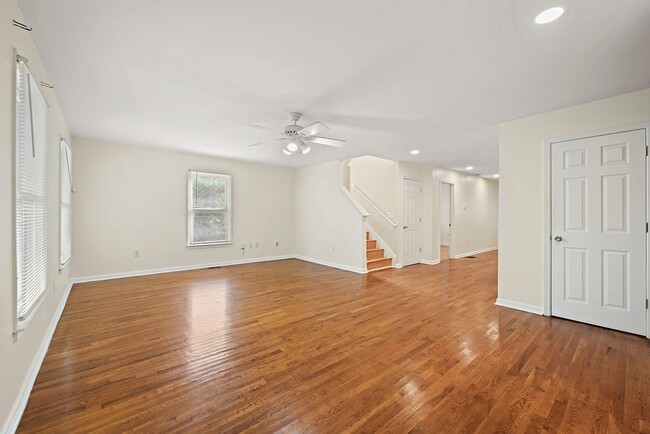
point(66, 204)
point(209, 216)
point(31, 192)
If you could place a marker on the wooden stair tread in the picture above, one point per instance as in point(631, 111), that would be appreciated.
point(372, 270)
point(379, 260)
point(375, 264)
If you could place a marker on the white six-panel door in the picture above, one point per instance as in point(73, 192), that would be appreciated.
point(598, 227)
point(411, 212)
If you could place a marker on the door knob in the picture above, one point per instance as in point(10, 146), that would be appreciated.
point(558, 238)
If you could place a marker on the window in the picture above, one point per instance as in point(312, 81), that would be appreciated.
point(209, 218)
point(65, 233)
point(31, 192)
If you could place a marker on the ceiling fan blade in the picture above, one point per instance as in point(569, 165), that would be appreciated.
point(259, 127)
point(267, 141)
point(327, 141)
point(313, 129)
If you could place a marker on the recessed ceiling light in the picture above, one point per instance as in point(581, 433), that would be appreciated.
point(549, 15)
point(496, 175)
point(415, 152)
point(469, 168)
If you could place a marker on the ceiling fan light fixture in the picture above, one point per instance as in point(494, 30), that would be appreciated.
point(292, 146)
point(298, 139)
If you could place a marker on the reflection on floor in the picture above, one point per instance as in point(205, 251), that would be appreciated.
point(444, 253)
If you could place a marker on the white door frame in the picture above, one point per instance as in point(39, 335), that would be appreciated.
point(452, 186)
point(547, 206)
point(401, 237)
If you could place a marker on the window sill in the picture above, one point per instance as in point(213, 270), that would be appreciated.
point(221, 243)
point(64, 265)
point(21, 325)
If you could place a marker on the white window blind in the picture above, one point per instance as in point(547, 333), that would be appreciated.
point(209, 214)
point(66, 204)
point(31, 192)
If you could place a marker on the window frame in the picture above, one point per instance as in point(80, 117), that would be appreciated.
point(65, 149)
point(22, 319)
point(191, 209)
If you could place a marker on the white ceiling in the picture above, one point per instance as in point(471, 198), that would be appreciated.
point(387, 76)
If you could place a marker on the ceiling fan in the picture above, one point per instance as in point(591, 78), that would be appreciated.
point(300, 138)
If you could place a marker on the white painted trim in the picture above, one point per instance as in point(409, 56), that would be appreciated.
point(347, 193)
point(16, 412)
point(354, 201)
point(647, 236)
point(428, 262)
point(331, 264)
point(179, 268)
point(383, 214)
point(520, 306)
point(475, 252)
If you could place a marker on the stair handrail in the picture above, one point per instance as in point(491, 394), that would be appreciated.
point(383, 214)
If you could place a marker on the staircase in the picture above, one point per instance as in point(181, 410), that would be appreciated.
point(375, 257)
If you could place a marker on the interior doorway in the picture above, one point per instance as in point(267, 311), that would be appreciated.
point(446, 218)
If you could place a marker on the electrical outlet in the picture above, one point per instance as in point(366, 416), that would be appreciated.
point(257, 245)
point(334, 248)
point(136, 253)
point(250, 245)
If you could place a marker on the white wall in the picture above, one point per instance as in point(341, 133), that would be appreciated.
point(16, 358)
point(376, 178)
point(475, 212)
point(444, 213)
point(135, 198)
point(521, 166)
point(475, 206)
point(328, 224)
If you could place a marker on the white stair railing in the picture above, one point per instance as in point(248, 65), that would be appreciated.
point(383, 214)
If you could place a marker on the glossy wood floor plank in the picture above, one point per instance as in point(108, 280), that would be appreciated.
point(291, 346)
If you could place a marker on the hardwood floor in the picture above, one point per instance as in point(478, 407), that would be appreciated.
point(444, 253)
point(297, 347)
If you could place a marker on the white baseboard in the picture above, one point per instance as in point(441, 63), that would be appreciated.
point(331, 264)
point(520, 306)
point(428, 262)
point(475, 252)
point(179, 268)
point(11, 424)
